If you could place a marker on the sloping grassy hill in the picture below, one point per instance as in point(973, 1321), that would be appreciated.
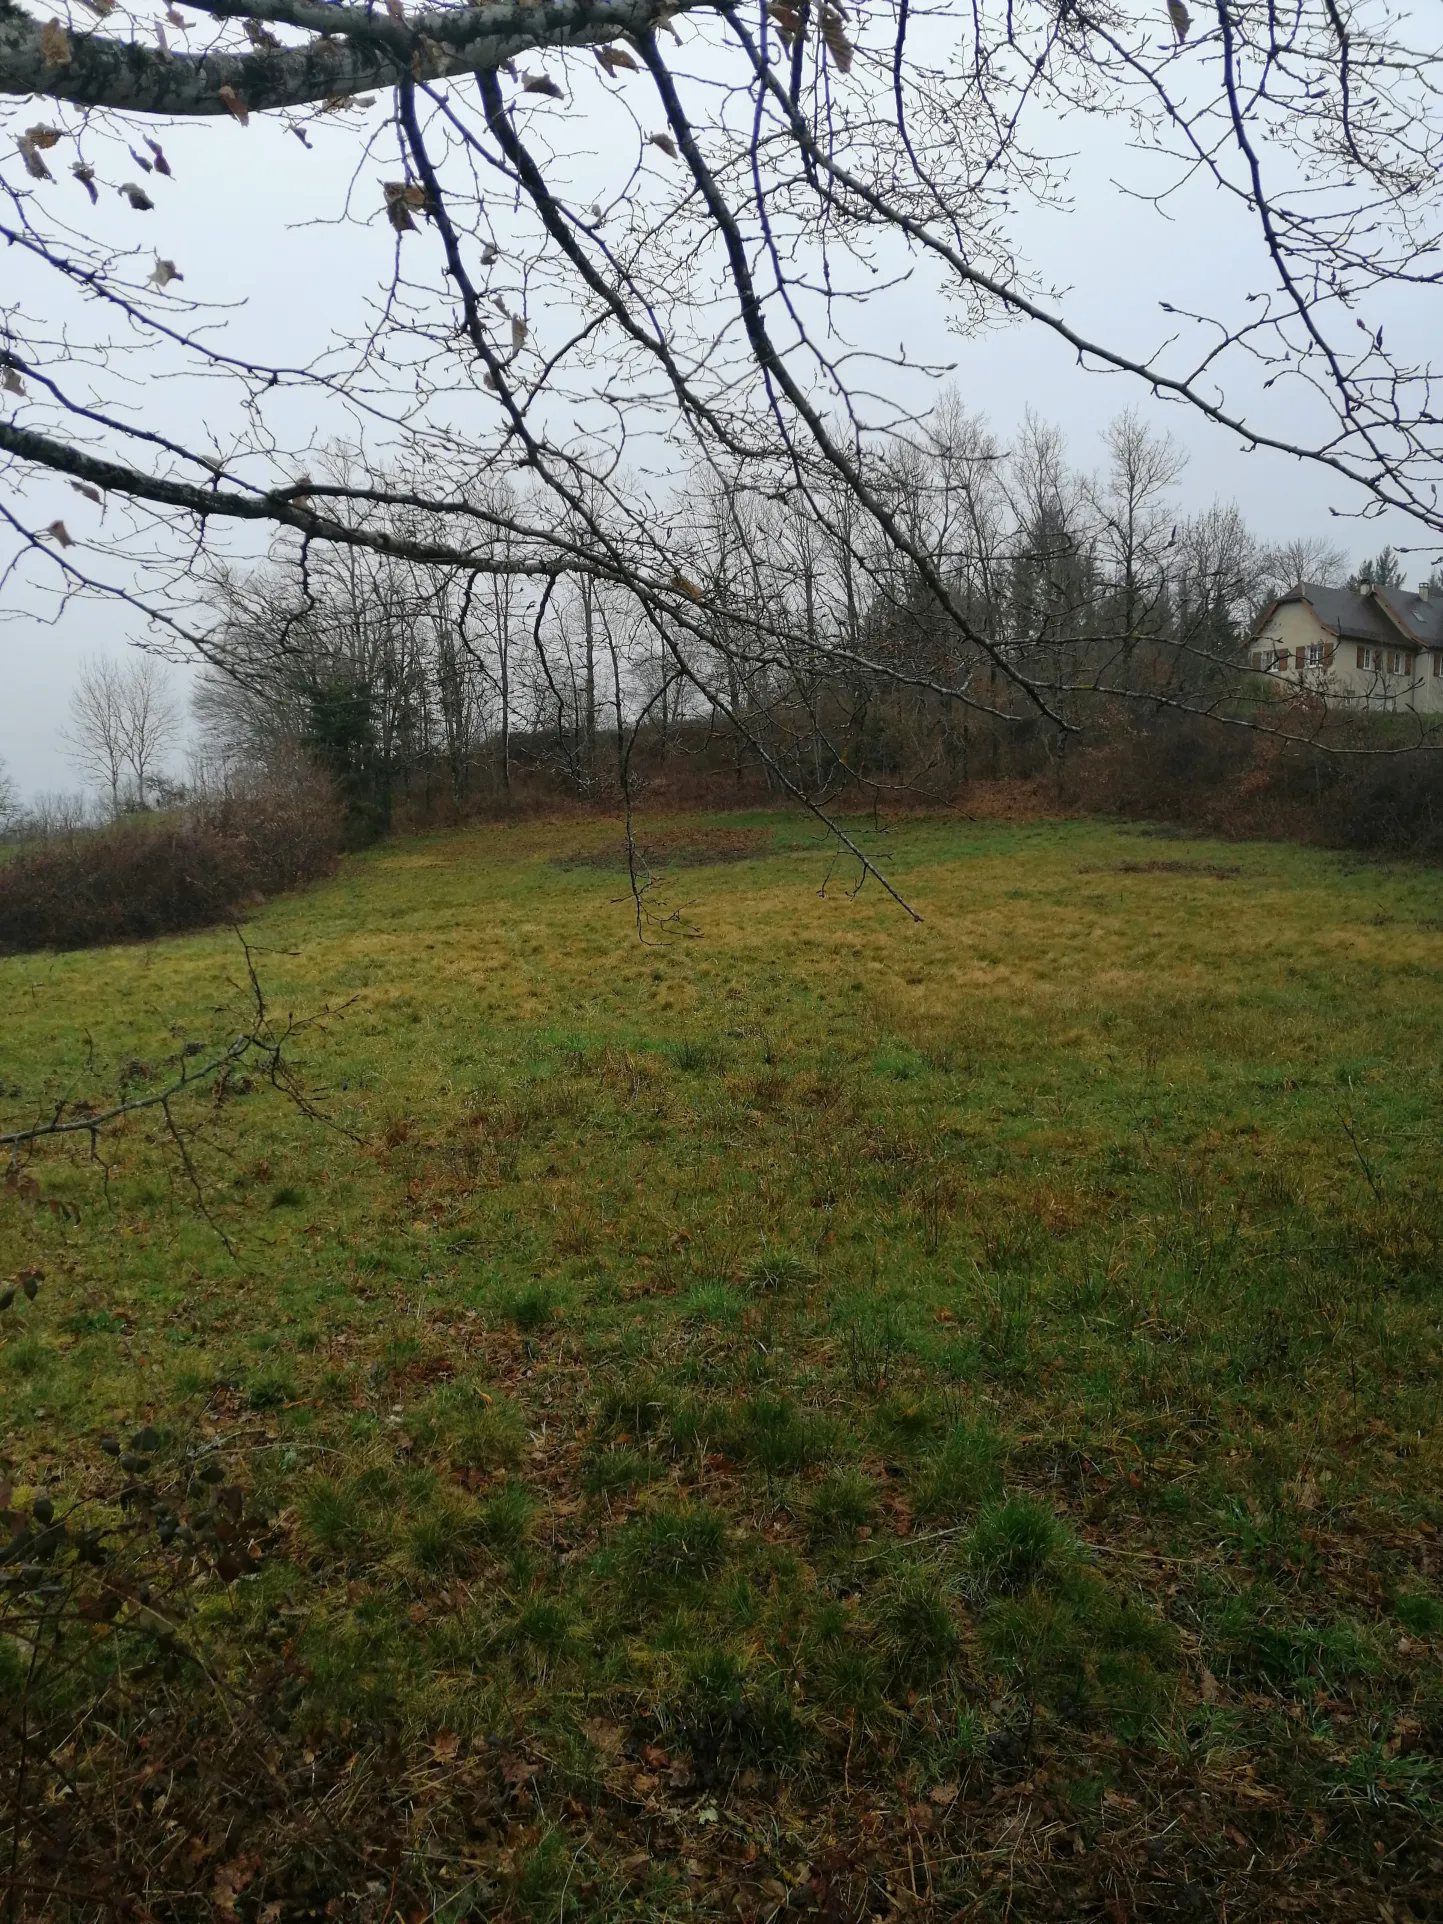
point(802, 1411)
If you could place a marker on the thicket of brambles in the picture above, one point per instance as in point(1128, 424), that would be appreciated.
point(239, 836)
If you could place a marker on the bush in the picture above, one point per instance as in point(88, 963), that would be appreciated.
point(144, 876)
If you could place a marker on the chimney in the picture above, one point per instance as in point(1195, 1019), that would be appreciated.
point(1423, 590)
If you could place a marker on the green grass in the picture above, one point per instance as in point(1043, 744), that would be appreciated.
point(802, 1390)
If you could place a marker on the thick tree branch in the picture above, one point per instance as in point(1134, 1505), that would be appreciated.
point(284, 508)
point(354, 49)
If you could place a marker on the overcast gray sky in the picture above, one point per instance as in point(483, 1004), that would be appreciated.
point(230, 219)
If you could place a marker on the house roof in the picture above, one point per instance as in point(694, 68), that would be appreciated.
point(1421, 621)
point(1385, 615)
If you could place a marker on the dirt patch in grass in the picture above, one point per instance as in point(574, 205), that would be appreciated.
point(686, 848)
point(1214, 872)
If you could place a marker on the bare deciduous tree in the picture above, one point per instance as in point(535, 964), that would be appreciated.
point(96, 733)
point(152, 725)
point(123, 724)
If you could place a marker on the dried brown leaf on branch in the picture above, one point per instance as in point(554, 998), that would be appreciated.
point(786, 19)
point(614, 58)
point(85, 174)
point(12, 382)
point(681, 584)
point(401, 197)
point(234, 104)
point(665, 142)
point(396, 10)
point(1181, 19)
point(59, 534)
point(102, 7)
point(518, 333)
point(43, 137)
point(55, 44)
point(540, 83)
point(91, 494)
point(140, 160)
point(838, 45)
point(164, 272)
point(260, 37)
point(176, 19)
point(34, 164)
point(137, 196)
point(162, 165)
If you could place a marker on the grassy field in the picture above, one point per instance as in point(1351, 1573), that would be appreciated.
point(809, 1412)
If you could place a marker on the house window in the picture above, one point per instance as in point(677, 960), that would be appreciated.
point(1315, 654)
point(1362, 658)
point(1258, 660)
point(1437, 663)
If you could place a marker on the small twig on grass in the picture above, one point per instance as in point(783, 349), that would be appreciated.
point(261, 1046)
point(1345, 1122)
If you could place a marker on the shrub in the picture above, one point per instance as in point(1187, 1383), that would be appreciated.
point(144, 876)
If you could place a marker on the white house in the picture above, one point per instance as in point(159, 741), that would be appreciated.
point(1355, 647)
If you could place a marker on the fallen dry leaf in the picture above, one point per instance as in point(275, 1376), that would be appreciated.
point(230, 1880)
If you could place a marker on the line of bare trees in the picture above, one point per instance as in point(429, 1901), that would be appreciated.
point(818, 656)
